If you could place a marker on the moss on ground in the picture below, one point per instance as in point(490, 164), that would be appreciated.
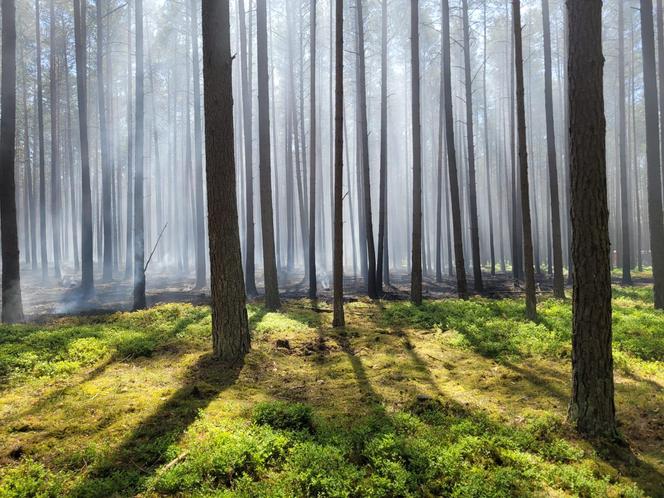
point(453, 398)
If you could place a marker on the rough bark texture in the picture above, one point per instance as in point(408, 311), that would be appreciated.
point(12, 306)
point(556, 235)
point(230, 327)
point(338, 319)
point(416, 259)
point(531, 300)
point(591, 407)
point(655, 215)
point(470, 136)
point(451, 157)
point(87, 270)
point(267, 217)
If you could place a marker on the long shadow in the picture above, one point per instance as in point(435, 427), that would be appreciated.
point(143, 450)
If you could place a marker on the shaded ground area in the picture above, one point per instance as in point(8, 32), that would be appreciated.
point(450, 398)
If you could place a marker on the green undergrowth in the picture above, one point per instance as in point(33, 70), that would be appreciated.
point(451, 398)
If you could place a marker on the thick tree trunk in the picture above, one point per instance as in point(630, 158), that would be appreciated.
point(591, 407)
point(531, 300)
point(139, 235)
point(267, 217)
point(12, 305)
point(87, 270)
point(451, 157)
point(556, 233)
point(655, 214)
point(230, 327)
point(129, 254)
point(472, 182)
point(338, 319)
point(416, 257)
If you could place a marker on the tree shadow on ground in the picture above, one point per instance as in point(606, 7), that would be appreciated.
point(143, 450)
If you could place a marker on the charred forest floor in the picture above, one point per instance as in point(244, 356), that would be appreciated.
point(452, 398)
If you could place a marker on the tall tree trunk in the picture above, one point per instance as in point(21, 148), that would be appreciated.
point(416, 258)
point(591, 407)
point(312, 157)
point(531, 300)
point(87, 269)
point(487, 166)
point(655, 215)
point(40, 131)
point(199, 242)
point(12, 304)
point(338, 319)
point(230, 325)
point(31, 248)
point(106, 178)
point(55, 175)
point(451, 157)
point(247, 121)
point(622, 130)
point(556, 233)
point(382, 265)
point(364, 154)
point(139, 235)
point(129, 254)
point(472, 182)
point(267, 217)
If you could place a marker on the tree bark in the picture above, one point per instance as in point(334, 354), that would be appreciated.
point(416, 257)
point(382, 265)
point(267, 217)
point(230, 327)
point(622, 156)
point(312, 157)
point(655, 214)
point(556, 233)
point(338, 319)
point(531, 300)
point(139, 235)
point(451, 157)
point(40, 131)
point(12, 304)
point(591, 408)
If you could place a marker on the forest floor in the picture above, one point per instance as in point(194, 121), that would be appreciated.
point(453, 398)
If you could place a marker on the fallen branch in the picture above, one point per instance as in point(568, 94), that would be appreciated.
point(145, 268)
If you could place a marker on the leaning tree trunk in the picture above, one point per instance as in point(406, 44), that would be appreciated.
point(267, 217)
point(139, 235)
point(230, 326)
point(556, 233)
point(472, 182)
point(87, 270)
point(338, 319)
point(12, 305)
point(531, 300)
point(655, 218)
point(416, 272)
point(451, 156)
point(591, 407)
